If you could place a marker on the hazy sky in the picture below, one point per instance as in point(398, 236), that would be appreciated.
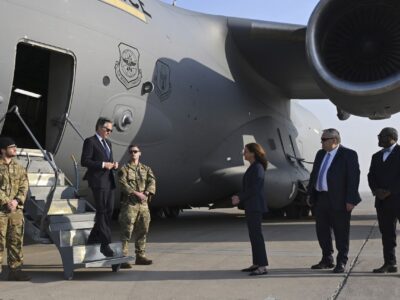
point(357, 133)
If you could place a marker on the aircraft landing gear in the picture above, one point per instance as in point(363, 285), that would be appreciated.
point(296, 211)
point(172, 212)
point(299, 207)
point(167, 212)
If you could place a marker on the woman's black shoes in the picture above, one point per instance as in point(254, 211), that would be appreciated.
point(250, 269)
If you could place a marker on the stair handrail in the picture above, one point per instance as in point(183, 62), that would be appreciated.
point(49, 199)
point(69, 121)
point(75, 163)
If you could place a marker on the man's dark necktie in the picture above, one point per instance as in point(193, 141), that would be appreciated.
point(106, 149)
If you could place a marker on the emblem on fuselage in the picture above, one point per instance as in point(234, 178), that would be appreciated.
point(132, 7)
point(162, 80)
point(127, 67)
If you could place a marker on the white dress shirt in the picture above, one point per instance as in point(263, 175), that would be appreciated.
point(331, 156)
point(387, 151)
point(101, 142)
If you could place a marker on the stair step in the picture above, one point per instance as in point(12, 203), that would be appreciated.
point(89, 216)
point(36, 165)
point(71, 226)
point(65, 206)
point(31, 152)
point(61, 192)
point(91, 253)
point(58, 207)
point(45, 179)
point(109, 262)
point(71, 238)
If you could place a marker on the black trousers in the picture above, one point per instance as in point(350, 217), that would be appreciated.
point(104, 202)
point(327, 220)
point(254, 220)
point(388, 215)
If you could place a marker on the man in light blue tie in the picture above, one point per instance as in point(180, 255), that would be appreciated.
point(333, 191)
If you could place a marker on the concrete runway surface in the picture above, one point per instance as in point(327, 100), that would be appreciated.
point(199, 255)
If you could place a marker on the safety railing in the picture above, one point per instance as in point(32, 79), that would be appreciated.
point(68, 120)
point(14, 109)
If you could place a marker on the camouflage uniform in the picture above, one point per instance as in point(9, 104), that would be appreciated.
point(13, 185)
point(134, 215)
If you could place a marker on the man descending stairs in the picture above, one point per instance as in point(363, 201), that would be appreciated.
point(54, 214)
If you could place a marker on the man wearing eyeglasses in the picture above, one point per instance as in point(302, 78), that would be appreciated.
point(384, 181)
point(333, 190)
point(138, 185)
point(13, 189)
point(97, 157)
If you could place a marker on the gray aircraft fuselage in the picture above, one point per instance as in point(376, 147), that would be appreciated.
point(96, 58)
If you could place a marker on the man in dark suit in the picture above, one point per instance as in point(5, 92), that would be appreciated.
point(333, 191)
point(97, 157)
point(384, 181)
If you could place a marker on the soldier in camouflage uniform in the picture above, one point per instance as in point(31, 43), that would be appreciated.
point(13, 190)
point(138, 185)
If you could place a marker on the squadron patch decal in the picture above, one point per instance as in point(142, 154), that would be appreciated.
point(162, 80)
point(127, 67)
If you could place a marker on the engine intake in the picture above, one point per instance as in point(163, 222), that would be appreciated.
point(353, 47)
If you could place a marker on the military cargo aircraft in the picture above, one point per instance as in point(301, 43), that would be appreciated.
point(191, 89)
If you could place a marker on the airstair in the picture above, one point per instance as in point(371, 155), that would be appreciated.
point(56, 214)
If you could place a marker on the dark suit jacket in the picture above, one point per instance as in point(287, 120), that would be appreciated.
point(386, 175)
point(252, 197)
point(93, 156)
point(343, 178)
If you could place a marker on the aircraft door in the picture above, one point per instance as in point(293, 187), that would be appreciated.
point(42, 90)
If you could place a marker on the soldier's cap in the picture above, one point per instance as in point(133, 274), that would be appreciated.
point(391, 132)
point(5, 142)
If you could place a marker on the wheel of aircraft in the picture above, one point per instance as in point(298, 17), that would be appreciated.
point(171, 212)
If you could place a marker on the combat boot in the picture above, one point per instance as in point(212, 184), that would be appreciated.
point(18, 275)
point(125, 248)
point(142, 260)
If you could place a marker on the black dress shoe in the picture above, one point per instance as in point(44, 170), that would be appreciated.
point(106, 250)
point(250, 269)
point(386, 268)
point(323, 265)
point(339, 268)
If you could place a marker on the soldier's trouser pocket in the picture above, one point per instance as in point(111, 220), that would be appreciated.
point(14, 238)
point(127, 217)
point(3, 233)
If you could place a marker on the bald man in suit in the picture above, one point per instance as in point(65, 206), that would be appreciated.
point(333, 191)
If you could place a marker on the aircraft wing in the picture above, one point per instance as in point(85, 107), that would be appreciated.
point(277, 52)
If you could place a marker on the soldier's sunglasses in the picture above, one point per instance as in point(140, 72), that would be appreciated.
point(134, 151)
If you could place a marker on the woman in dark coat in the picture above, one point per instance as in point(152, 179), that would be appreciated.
point(252, 200)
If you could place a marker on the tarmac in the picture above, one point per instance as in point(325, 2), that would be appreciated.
point(199, 256)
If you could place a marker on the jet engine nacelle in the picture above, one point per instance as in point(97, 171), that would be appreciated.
point(353, 47)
